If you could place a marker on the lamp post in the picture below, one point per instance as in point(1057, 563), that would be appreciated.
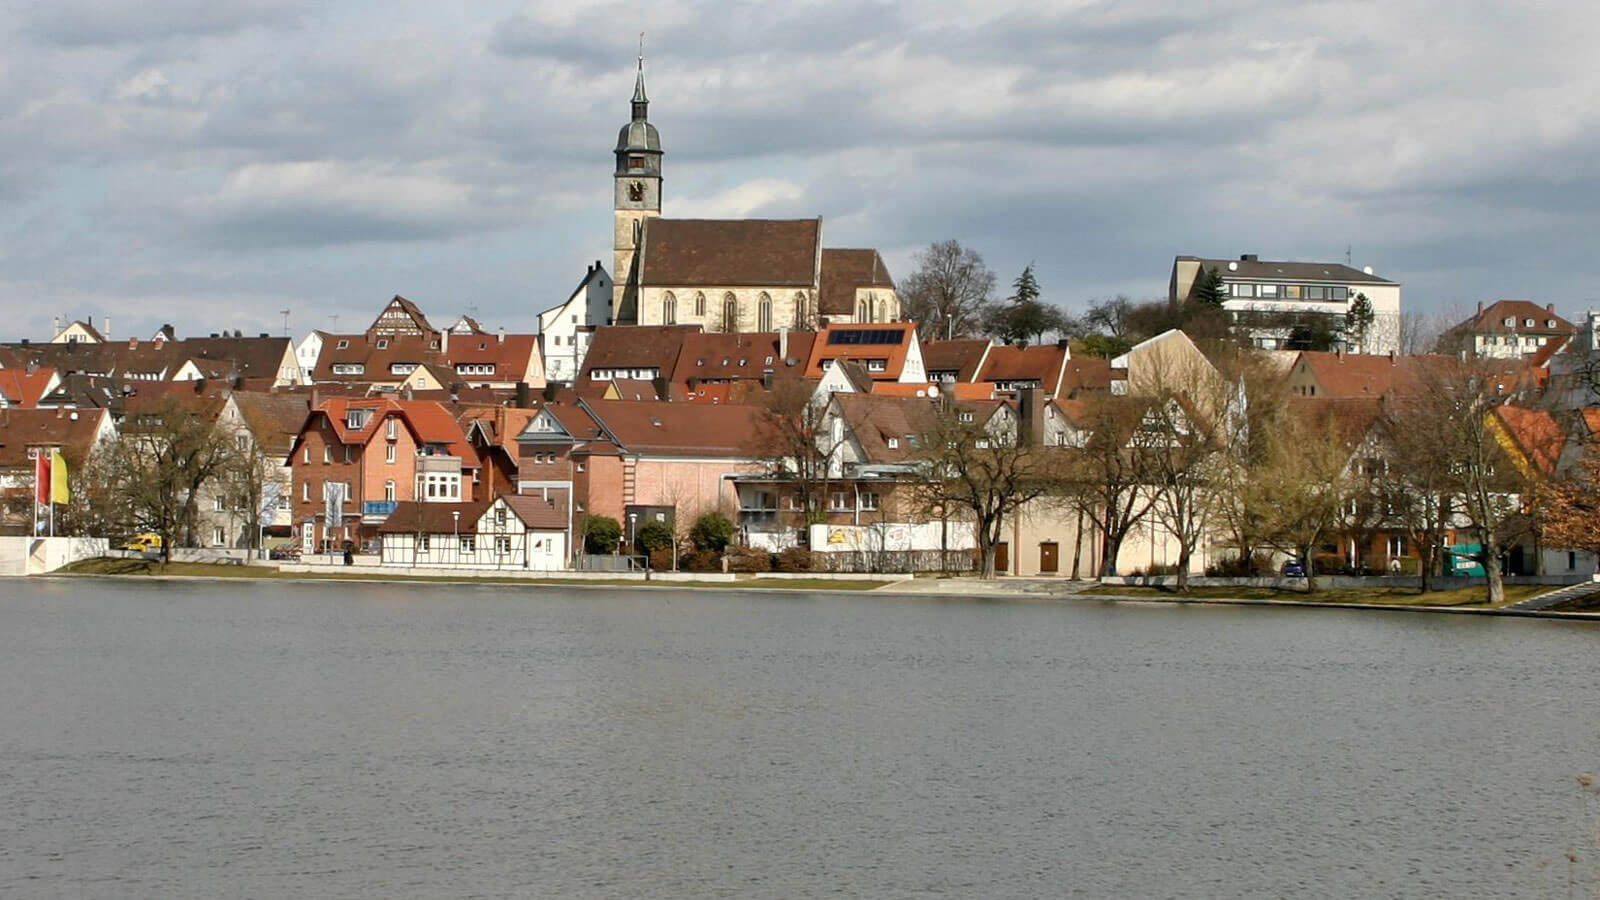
point(949, 325)
point(455, 528)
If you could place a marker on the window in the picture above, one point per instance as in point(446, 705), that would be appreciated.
point(426, 542)
point(699, 304)
point(342, 345)
point(1338, 293)
point(219, 537)
point(348, 368)
point(1549, 323)
point(839, 501)
point(305, 491)
point(502, 545)
point(327, 455)
point(468, 544)
point(388, 490)
point(393, 427)
point(1509, 321)
point(241, 442)
point(1243, 290)
point(730, 312)
point(869, 501)
point(557, 339)
point(347, 453)
point(1291, 292)
point(877, 365)
point(305, 454)
point(383, 343)
point(1527, 323)
point(894, 443)
point(1267, 290)
point(388, 452)
point(965, 417)
point(764, 313)
point(217, 504)
point(500, 516)
point(1313, 292)
point(862, 313)
point(636, 162)
point(799, 311)
point(669, 309)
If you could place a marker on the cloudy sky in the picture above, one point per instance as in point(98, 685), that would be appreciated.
point(212, 163)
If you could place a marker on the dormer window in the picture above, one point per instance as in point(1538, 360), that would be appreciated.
point(342, 345)
point(1527, 323)
point(356, 419)
point(383, 343)
point(965, 417)
point(1549, 323)
point(1510, 321)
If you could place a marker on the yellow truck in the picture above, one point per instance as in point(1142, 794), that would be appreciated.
point(144, 543)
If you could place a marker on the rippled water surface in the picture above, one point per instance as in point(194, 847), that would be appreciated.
point(368, 741)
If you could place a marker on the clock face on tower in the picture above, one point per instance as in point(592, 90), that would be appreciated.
point(636, 191)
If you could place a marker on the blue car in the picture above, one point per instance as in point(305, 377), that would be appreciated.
point(1294, 569)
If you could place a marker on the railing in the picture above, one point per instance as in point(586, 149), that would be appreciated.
point(605, 562)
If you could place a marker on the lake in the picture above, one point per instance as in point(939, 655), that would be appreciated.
point(259, 739)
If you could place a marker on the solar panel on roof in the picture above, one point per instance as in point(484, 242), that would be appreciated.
point(864, 336)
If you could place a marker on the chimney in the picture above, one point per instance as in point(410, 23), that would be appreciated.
point(1030, 410)
point(133, 343)
point(55, 325)
point(766, 379)
point(444, 341)
point(106, 331)
point(1391, 357)
point(1249, 257)
point(1550, 308)
point(1480, 307)
point(783, 342)
point(522, 396)
point(502, 338)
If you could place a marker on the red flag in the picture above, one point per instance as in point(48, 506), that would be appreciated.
point(41, 476)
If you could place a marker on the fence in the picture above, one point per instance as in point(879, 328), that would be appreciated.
point(899, 562)
point(605, 562)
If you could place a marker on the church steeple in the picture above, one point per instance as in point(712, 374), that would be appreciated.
point(638, 195)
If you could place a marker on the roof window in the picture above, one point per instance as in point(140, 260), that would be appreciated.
point(1549, 323)
point(1527, 323)
point(1509, 321)
point(342, 345)
point(383, 343)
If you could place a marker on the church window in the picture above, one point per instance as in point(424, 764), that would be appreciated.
point(699, 303)
point(669, 309)
point(730, 312)
point(764, 313)
point(863, 312)
point(799, 311)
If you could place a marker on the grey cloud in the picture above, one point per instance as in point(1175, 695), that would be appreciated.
point(98, 22)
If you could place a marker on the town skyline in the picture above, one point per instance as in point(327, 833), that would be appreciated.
point(215, 169)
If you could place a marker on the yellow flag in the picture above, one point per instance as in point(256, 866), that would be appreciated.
point(58, 478)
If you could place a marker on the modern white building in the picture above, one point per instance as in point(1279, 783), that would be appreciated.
point(1280, 290)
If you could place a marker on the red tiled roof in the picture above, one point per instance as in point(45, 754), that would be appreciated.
point(1043, 363)
point(824, 348)
point(636, 347)
point(23, 388)
point(1354, 375)
point(679, 429)
point(845, 270)
point(537, 512)
point(961, 356)
point(73, 431)
point(414, 516)
point(1492, 320)
point(1536, 434)
point(740, 355)
point(729, 252)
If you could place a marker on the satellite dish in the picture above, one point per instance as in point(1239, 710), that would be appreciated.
point(933, 390)
point(1367, 269)
point(1233, 266)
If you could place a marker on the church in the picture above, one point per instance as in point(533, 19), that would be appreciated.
point(728, 274)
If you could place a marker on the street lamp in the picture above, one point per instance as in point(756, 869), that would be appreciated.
point(455, 527)
point(949, 325)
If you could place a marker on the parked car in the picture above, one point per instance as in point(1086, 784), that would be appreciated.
point(286, 552)
point(144, 543)
point(1294, 569)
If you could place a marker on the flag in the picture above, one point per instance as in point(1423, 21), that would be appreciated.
point(59, 493)
point(41, 476)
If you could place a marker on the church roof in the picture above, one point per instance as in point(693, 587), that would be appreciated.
point(730, 252)
point(843, 271)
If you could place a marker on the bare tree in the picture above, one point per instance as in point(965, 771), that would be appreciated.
point(1180, 438)
point(1105, 479)
point(980, 467)
point(148, 479)
point(794, 438)
point(949, 292)
point(1306, 474)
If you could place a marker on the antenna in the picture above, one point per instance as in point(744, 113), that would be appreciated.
point(285, 321)
point(1347, 254)
point(335, 318)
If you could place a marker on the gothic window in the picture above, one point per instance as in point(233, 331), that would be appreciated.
point(764, 313)
point(730, 312)
point(700, 304)
point(863, 311)
point(669, 309)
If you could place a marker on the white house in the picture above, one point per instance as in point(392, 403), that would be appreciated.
point(565, 331)
point(1274, 289)
point(514, 531)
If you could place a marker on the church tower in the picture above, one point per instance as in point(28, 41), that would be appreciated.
point(638, 196)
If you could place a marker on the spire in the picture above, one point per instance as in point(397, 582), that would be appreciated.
point(641, 103)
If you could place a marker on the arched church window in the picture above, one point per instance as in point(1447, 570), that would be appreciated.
point(669, 309)
point(764, 313)
point(730, 312)
point(700, 304)
point(799, 311)
point(863, 311)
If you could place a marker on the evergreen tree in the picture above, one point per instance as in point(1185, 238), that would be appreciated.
point(1209, 290)
point(1024, 316)
point(1358, 320)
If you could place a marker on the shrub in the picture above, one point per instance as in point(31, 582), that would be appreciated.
point(749, 560)
point(700, 561)
point(712, 532)
point(1327, 563)
point(601, 534)
point(794, 559)
point(1234, 567)
point(653, 536)
point(661, 559)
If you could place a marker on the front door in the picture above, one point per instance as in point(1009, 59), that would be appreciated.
point(1049, 554)
point(308, 537)
point(1002, 558)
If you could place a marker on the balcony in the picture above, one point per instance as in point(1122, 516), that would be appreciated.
point(376, 510)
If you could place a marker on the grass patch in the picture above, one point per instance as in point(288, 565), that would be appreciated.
point(1375, 596)
point(137, 567)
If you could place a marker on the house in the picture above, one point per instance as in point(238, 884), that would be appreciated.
point(78, 331)
point(268, 424)
point(728, 357)
point(23, 388)
point(639, 352)
point(955, 361)
point(1269, 295)
point(566, 330)
point(1508, 329)
point(1012, 369)
point(25, 433)
point(510, 532)
point(888, 351)
point(1350, 376)
point(354, 459)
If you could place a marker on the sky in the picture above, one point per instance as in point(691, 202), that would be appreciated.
point(213, 164)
